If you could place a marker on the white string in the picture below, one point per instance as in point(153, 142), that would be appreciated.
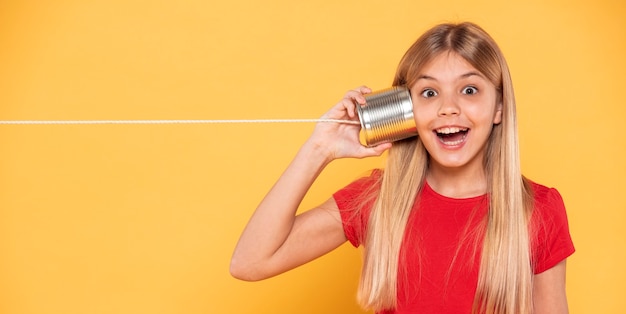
point(87, 122)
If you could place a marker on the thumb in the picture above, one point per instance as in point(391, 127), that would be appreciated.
point(376, 150)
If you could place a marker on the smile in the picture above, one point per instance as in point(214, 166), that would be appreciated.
point(451, 136)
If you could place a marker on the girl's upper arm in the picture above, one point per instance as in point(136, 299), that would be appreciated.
point(549, 291)
point(315, 232)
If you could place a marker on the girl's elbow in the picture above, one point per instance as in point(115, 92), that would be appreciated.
point(243, 270)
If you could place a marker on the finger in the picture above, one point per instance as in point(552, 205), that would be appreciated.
point(347, 106)
point(364, 89)
point(351, 109)
point(356, 98)
point(378, 149)
point(357, 95)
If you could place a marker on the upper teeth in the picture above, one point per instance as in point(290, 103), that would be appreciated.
point(449, 130)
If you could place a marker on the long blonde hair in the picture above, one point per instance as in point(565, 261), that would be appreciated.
point(505, 276)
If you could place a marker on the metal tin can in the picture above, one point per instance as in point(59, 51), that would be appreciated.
point(387, 116)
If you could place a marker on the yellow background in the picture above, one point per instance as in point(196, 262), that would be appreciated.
point(143, 218)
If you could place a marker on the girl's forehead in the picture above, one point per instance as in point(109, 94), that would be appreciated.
point(447, 67)
point(448, 61)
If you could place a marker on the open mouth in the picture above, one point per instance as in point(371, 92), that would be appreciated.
point(452, 135)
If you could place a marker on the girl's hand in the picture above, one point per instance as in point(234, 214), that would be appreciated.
point(341, 140)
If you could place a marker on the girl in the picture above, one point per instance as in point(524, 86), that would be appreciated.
point(450, 225)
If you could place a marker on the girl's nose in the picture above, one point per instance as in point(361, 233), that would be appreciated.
point(448, 107)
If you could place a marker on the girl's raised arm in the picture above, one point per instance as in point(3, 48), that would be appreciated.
point(275, 239)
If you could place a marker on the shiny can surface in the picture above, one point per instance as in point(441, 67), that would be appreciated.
point(387, 116)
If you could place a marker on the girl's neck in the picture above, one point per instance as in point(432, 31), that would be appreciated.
point(457, 183)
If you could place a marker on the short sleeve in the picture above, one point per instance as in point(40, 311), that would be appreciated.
point(354, 202)
point(551, 239)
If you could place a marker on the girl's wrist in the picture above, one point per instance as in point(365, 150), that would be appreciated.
point(316, 153)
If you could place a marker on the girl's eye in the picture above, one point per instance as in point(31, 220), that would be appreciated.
point(427, 93)
point(470, 90)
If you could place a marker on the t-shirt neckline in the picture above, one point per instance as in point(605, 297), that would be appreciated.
point(428, 189)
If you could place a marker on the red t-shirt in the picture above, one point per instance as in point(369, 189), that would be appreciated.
point(431, 279)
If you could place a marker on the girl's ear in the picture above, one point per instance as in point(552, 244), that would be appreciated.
point(497, 118)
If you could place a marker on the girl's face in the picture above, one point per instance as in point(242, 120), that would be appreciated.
point(455, 109)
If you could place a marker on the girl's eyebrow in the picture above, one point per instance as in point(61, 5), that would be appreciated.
point(463, 76)
point(473, 73)
point(426, 77)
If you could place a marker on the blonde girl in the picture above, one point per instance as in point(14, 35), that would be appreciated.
point(450, 225)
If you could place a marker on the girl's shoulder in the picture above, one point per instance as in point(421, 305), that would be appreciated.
point(354, 202)
point(551, 239)
point(545, 197)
